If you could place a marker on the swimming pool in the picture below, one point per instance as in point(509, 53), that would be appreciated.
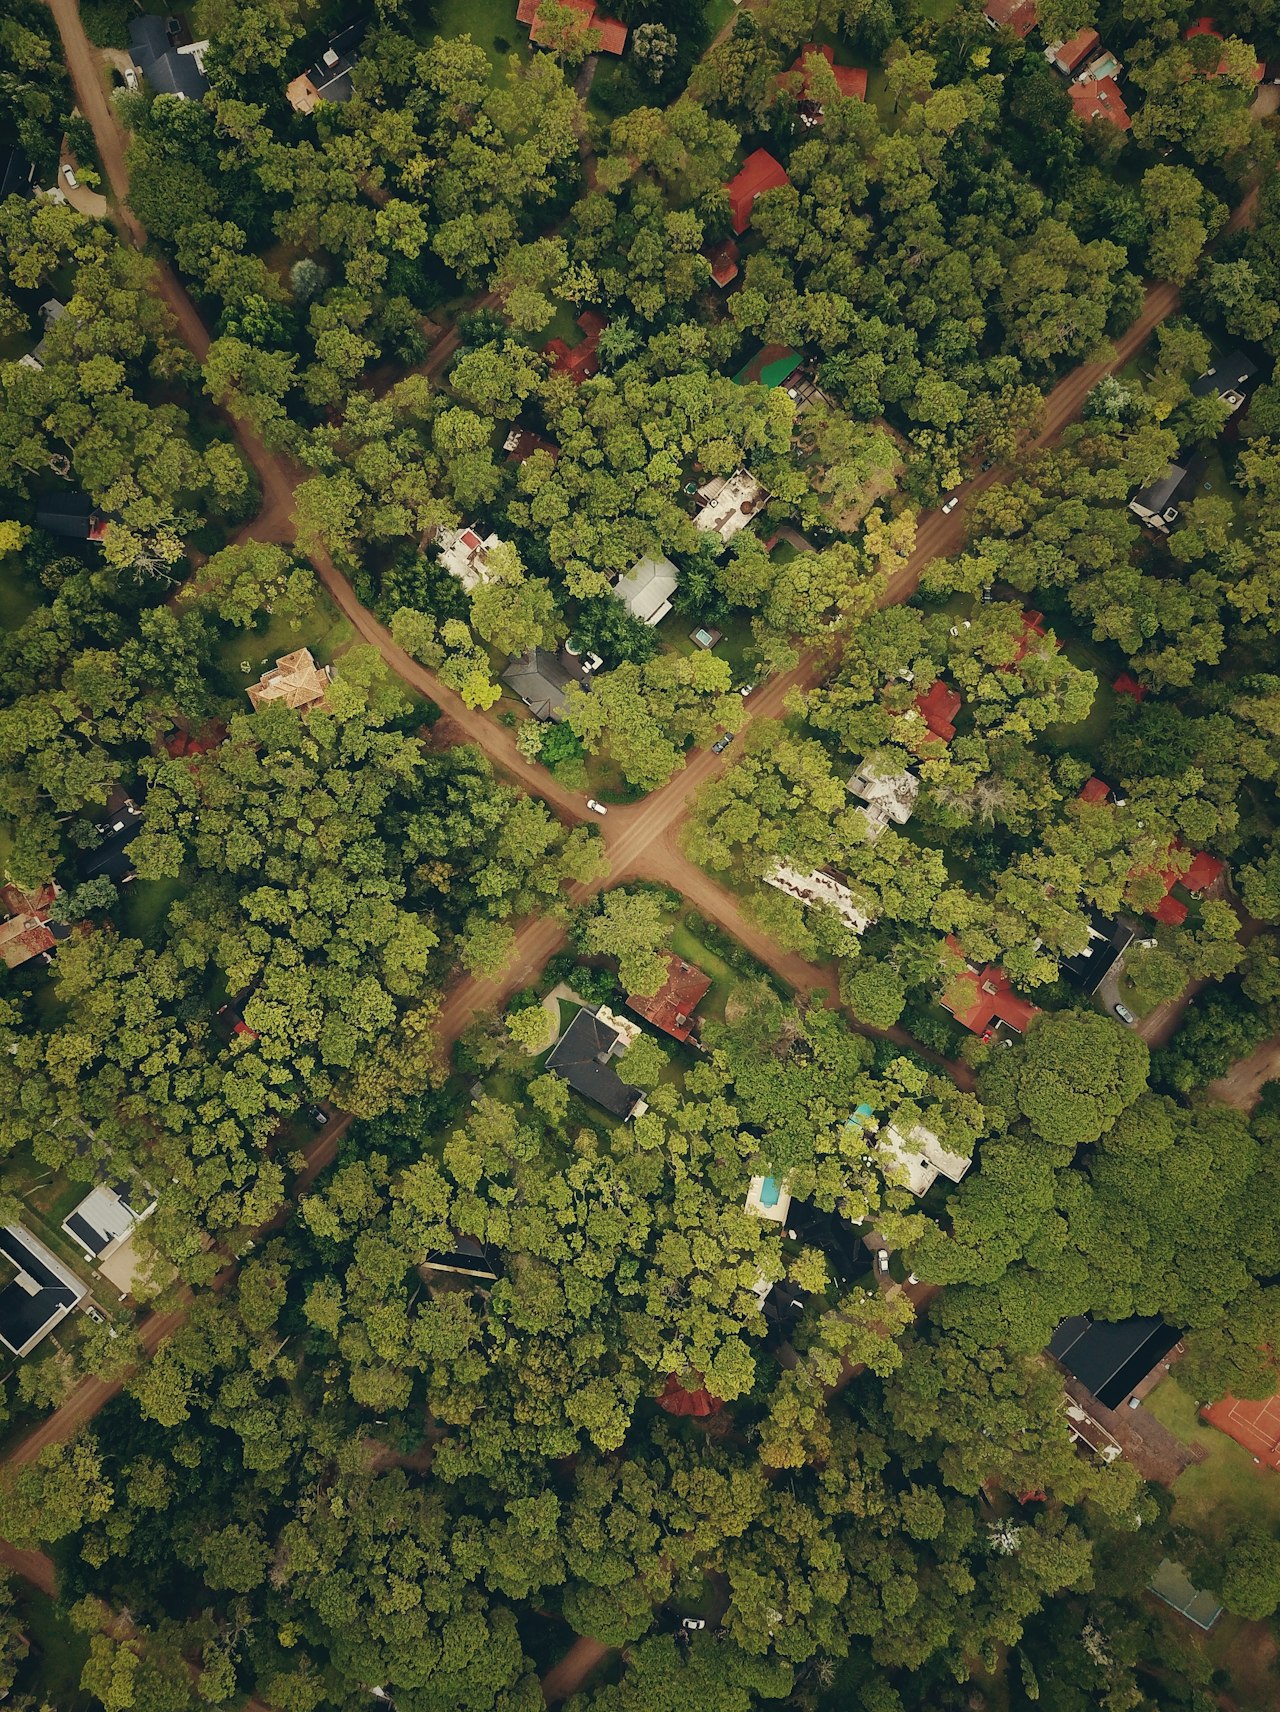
point(770, 1190)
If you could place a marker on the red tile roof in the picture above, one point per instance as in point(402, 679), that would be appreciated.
point(724, 261)
point(581, 360)
point(1032, 629)
point(1170, 911)
point(851, 80)
point(613, 35)
point(758, 173)
point(677, 1401)
point(1070, 54)
point(671, 1008)
point(938, 707)
point(1016, 15)
point(1125, 684)
point(1207, 27)
point(1204, 870)
point(1100, 98)
point(1095, 791)
point(979, 998)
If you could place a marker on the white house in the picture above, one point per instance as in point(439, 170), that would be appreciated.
point(818, 887)
point(919, 1157)
point(647, 588)
point(884, 798)
point(728, 503)
point(465, 556)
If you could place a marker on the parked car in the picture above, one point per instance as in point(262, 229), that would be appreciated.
point(746, 690)
point(596, 807)
point(1125, 1014)
point(316, 1116)
point(130, 77)
point(70, 177)
point(722, 743)
point(882, 1260)
point(693, 1623)
point(950, 504)
point(95, 1314)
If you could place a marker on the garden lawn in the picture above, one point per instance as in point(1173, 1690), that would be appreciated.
point(243, 655)
point(63, 1651)
point(1228, 1486)
point(488, 23)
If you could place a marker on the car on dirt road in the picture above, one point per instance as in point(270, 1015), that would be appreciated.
point(950, 504)
point(70, 177)
point(882, 1260)
point(1126, 1015)
point(722, 743)
point(596, 807)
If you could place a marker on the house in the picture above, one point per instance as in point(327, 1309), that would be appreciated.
point(1100, 98)
point(1111, 1358)
point(768, 1198)
point(582, 1057)
point(1030, 634)
point(1197, 878)
point(468, 1258)
point(938, 707)
point(27, 931)
point(1154, 504)
point(613, 35)
point(671, 1008)
point(1016, 15)
point(759, 172)
point(110, 859)
point(540, 681)
point(1227, 379)
point(918, 1157)
point(17, 174)
point(296, 680)
point(71, 515)
point(1109, 939)
point(51, 312)
point(851, 82)
point(817, 887)
point(166, 68)
point(465, 556)
point(1208, 27)
point(727, 504)
point(770, 367)
point(697, 1403)
point(39, 1291)
point(889, 797)
point(647, 588)
point(1067, 56)
point(723, 258)
point(103, 1222)
point(983, 999)
point(582, 360)
point(1095, 791)
point(521, 443)
point(841, 1240)
point(329, 79)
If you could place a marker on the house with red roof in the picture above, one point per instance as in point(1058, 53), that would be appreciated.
point(1127, 684)
point(1067, 56)
point(697, 1404)
point(613, 35)
point(582, 360)
point(1095, 791)
point(671, 1008)
point(1016, 15)
point(1196, 879)
point(26, 932)
point(758, 173)
point(938, 707)
point(1032, 631)
point(851, 82)
point(982, 999)
point(1100, 98)
point(1208, 27)
point(724, 262)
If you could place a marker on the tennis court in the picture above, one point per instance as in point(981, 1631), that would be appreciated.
point(1253, 1423)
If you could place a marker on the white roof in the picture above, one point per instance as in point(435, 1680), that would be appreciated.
point(465, 555)
point(647, 588)
point(729, 503)
point(101, 1220)
point(886, 798)
point(777, 1210)
point(920, 1157)
point(818, 887)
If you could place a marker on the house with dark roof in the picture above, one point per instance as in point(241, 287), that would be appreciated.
point(166, 68)
point(759, 172)
point(329, 79)
point(1226, 378)
point(1111, 1358)
point(110, 859)
point(468, 1258)
point(1109, 939)
point(671, 1008)
point(106, 1218)
point(1155, 505)
point(583, 1054)
point(17, 174)
point(71, 515)
point(38, 1291)
point(540, 681)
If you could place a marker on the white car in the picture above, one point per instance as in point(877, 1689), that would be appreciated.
point(1126, 1015)
point(746, 690)
point(693, 1623)
point(70, 177)
point(951, 504)
point(595, 807)
point(130, 77)
point(882, 1260)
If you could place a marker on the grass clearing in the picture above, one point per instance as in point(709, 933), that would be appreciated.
point(63, 1651)
point(243, 655)
point(491, 24)
point(1228, 1486)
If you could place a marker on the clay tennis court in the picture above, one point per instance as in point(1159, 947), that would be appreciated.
point(1253, 1424)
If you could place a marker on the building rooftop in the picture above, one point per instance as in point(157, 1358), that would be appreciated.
point(613, 35)
point(26, 933)
point(1100, 98)
point(724, 261)
point(1111, 1357)
point(582, 1057)
point(938, 707)
point(582, 360)
point(170, 70)
point(540, 681)
point(1227, 378)
point(851, 81)
point(105, 1217)
point(647, 588)
point(41, 1291)
point(1016, 15)
point(885, 797)
point(465, 555)
point(981, 999)
point(1109, 939)
point(818, 887)
point(671, 1008)
point(728, 503)
point(1066, 56)
point(295, 679)
point(758, 173)
point(919, 1157)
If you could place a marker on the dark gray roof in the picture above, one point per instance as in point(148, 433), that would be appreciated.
point(1109, 938)
point(540, 681)
point(1156, 497)
point(1110, 1357)
point(165, 69)
point(581, 1056)
point(111, 858)
point(17, 174)
point(1229, 373)
point(26, 1316)
point(67, 513)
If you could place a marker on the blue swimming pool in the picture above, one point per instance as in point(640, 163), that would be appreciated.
point(770, 1189)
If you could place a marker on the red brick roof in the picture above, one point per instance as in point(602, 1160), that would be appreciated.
point(581, 360)
point(724, 261)
point(1208, 27)
point(1070, 54)
point(677, 1401)
point(981, 997)
point(1100, 98)
point(1204, 870)
point(613, 35)
point(938, 707)
point(1095, 791)
point(758, 173)
point(1128, 685)
point(1016, 15)
point(671, 1008)
point(851, 80)
point(1032, 630)
point(1171, 911)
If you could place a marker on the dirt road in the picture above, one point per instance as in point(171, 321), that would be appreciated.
point(1242, 1085)
point(568, 1674)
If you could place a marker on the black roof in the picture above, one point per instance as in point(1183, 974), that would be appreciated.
point(468, 1257)
point(23, 1316)
point(1226, 373)
point(1110, 1357)
point(1109, 938)
point(17, 174)
point(165, 69)
point(94, 1241)
point(66, 513)
point(111, 858)
point(581, 1056)
point(540, 681)
point(842, 1242)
